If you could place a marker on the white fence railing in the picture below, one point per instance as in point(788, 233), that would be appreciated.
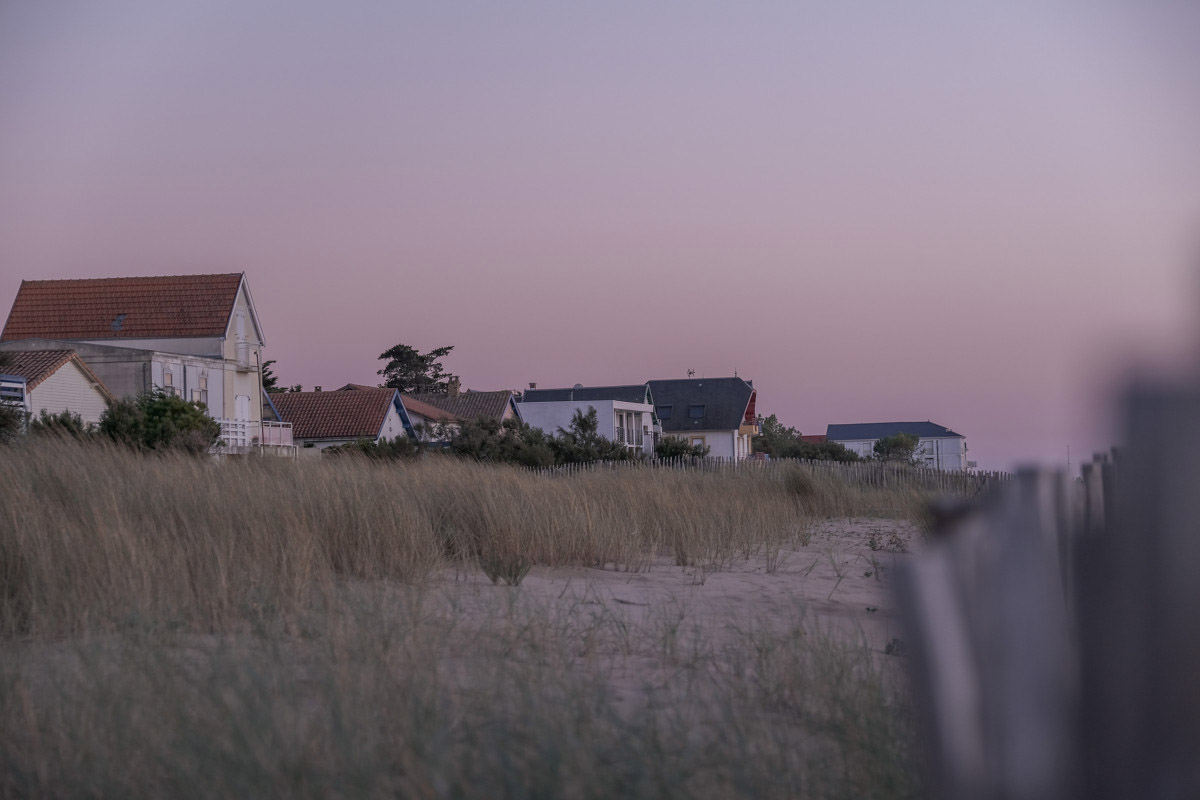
point(247, 432)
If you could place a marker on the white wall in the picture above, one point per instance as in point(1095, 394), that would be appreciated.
point(68, 389)
point(551, 416)
point(947, 452)
point(721, 444)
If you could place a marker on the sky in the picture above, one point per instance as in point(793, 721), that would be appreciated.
point(977, 214)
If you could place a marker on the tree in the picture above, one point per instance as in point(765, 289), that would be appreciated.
point(675, 447)
point(899, 447)
point(411, 371)
point(160, 421)
point(582, 442)
point(510, 442)
point(778, 441)
point(270, 381)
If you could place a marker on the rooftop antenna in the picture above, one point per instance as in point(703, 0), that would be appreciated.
point(691, 373)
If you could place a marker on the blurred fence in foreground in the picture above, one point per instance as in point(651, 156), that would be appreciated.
point(1054, 629)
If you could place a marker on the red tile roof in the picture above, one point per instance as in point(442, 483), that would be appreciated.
point(335, 415)
point(815, 438)
point(123, 308)
point(468, 405)
point(415, 406)
point(36, 366)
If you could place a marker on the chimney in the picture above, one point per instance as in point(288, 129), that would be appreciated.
point(452, 386)
point(532, 385)
point(316, 388)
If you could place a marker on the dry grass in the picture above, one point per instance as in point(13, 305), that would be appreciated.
point(262, 628)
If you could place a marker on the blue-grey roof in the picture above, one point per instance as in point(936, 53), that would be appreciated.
point(725, 401)
point(878, 430)
point(632, 393)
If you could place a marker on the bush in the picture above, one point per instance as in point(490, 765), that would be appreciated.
point(401, 447)
point(160, 421)
point(674, 447)
point(12, 419)
point(65, 423)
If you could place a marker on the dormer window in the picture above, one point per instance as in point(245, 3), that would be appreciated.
point(664, 412)
point(696, 411)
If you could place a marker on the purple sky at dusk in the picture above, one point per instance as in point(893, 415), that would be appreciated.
point(886, 212)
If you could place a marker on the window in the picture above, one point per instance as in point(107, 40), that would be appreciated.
point(200, 395)
point(664, 412)
point(697, 441)
point(696, 411)
point(169, 383)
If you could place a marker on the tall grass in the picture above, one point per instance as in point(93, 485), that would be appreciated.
point(95, 537)
point(194, 628)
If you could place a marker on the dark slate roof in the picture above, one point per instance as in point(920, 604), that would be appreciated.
point(123, 308)
point(470, 404)
point(724, 399)
point(878, 430)
point(335, 415)
point(632, 393)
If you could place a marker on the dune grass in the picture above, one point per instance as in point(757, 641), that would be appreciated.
point(193, 628)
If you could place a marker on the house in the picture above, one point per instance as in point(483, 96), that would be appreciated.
point(429, 423)
point(625, 413)
point(938, 446)
point(53, 381)
point(470, 405)
point(328, 419)
point(194, 336)
point(717, 413)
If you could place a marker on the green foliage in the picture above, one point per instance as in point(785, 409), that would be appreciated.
point(899, 447)
point(779, 441)
point(270, 381)
point(511, 442)
point(675, 447)
point(402, 447)
point(412, 371)
point(12, 419)
point(65, 423)
point(582, 442)
point(160, 421)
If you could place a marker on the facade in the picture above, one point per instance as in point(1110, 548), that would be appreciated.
point(625, 413)
point(53, 381)
point(938, 448)
point(328, 419)
point(718, 413)
point(194, 336)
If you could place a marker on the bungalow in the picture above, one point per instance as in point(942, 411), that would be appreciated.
point(625, 413)
point(194, 336)
point(328, 419)
point(469, 404)
point(429, 423)
point(717, 413)
point(938, 446)
point(53, 381)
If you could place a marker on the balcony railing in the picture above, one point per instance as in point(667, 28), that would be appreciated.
point(632, 438)
point(248, 433)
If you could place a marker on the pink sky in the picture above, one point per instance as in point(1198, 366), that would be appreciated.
point(891, 212)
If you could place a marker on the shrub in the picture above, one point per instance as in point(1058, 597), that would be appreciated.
point(65, 423)
point(674, 447)
point(160, 421)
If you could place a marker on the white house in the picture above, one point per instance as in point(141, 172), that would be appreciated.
point(328, 419)
point(195, 336)
point(53, 381)
point(718, 413)
point(624, 414)
point(938, 446)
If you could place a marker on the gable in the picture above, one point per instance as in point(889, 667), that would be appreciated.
point(701, 404)
point(124, 308)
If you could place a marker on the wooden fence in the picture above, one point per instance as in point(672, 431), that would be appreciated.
point(878, 474)
point(1053, 629)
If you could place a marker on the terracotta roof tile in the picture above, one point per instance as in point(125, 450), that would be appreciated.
point(36, 366)
point(335, 415)
point(469, 404)
point(415, 406)
point(123, 308)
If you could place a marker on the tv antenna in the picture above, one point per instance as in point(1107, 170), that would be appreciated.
point(691, 373)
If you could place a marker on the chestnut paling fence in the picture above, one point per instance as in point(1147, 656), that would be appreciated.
point(1052, 626)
